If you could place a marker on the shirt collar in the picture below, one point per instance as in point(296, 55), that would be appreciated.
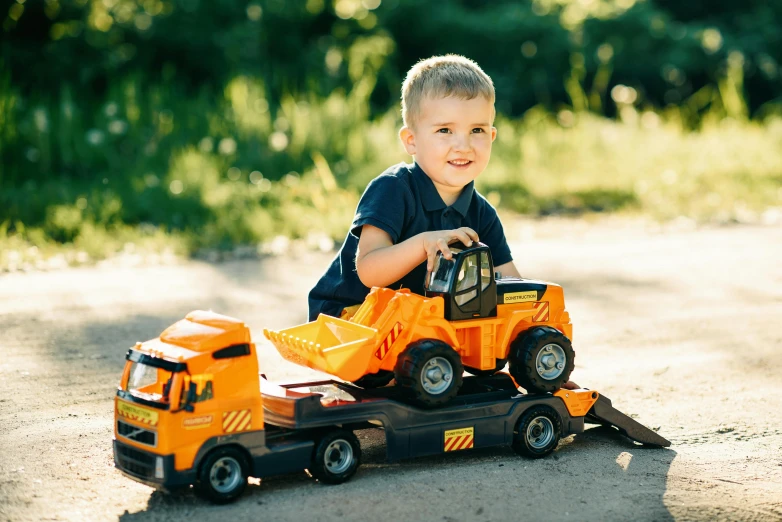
point(431, 198)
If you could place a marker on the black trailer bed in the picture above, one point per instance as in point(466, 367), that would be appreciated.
point(489, 407)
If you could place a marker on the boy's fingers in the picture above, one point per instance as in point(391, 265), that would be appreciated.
point(431, 255)
point(471, 233)
point(462, 236)
point(442, 246)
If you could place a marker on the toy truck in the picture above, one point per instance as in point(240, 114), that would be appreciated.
point(192, 410)
point(467, 320)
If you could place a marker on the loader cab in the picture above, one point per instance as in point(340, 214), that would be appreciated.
point(465, 282)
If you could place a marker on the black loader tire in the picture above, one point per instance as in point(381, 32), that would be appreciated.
point(537, 432)
point(222, 475)
point(412, 365)
point(336, 458)
point(374, 380)
point(524, 353)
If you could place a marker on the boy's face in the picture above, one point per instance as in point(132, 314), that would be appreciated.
point(451, 140)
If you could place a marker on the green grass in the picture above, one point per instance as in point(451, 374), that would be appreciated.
point(159, 169)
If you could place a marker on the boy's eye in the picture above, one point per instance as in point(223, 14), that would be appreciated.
point(444, 130)
point(477, 130)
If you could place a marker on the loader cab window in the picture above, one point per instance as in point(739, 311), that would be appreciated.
point(440, 276)
point(467, 280)
point(486, 275)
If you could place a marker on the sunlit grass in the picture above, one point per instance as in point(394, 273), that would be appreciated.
point(159, 170)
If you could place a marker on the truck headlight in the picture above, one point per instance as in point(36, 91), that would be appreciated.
point(159, 467)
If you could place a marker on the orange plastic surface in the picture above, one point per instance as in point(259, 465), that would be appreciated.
point(577, 402)
point(233, 404)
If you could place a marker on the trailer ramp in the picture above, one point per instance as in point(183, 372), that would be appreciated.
point(603, 412)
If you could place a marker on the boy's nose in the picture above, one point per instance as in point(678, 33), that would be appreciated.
point(461, 142)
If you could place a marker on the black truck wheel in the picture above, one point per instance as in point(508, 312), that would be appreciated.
point(541, 359)
point(537, 432)
point(374, 380)
point(336, 458)
point(430, 372)
point(222, 476)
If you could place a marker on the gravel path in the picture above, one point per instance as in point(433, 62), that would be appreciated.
point(680, 328)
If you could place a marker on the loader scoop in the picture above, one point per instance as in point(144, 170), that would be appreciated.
point(603, 412)
point(329, 344)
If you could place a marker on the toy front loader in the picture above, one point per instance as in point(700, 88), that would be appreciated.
point(466, 321)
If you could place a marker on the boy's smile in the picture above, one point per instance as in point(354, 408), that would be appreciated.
point(451, 140)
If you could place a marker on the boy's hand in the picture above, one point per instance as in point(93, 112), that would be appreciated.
point(439, 240)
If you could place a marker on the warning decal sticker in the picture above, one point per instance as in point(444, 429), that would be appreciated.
point(460, 439)
point(541, 312)
point(520, 297)
point(388, 341)
point(137, 413)
point(239, 420)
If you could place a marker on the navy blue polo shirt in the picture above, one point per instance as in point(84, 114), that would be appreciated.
point(403, 202)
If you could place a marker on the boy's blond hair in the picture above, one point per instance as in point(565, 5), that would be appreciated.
point(440, 77)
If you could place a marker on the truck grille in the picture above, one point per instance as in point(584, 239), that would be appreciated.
point(137, 434)
point(135, 462)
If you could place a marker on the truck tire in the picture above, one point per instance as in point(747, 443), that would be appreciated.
point(541, 359)
point(336, 458)
point(430, 372)
point(537, 432)
point(374, 380)
point(222, 476)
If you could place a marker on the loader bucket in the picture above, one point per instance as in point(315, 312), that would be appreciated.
point(328, 344)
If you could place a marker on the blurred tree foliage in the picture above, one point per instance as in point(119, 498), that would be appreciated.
point(100, 93)
point(668, 49)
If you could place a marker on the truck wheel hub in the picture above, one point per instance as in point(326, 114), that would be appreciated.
point(338, 455)
point(540, 432)
point(225, 475)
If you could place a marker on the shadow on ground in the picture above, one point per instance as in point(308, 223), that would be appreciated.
point(609, 477)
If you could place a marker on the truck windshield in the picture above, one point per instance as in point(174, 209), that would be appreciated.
point(148, 382)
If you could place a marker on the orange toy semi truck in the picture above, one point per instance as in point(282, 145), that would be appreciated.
point(192, 410)
point(467, 320)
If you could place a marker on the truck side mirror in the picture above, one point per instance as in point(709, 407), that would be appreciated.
point(191, 397)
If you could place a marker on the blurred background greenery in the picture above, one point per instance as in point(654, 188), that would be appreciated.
point(217, 124)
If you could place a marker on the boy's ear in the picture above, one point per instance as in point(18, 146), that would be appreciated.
point(493, 133)
point(408, 139)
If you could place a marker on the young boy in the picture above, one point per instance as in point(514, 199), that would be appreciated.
point(410, 212)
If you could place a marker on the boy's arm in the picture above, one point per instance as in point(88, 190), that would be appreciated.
point(508, 270)
point(380, 262)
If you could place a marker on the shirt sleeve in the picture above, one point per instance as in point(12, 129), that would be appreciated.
point(383, 205)
point(493, 235)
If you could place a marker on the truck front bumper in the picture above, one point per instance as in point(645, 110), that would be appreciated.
point(149, 468)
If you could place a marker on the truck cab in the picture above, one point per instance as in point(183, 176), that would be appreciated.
point(183, 394)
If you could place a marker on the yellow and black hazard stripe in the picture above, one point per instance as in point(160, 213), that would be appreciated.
point(238, 420)
point(385, 346)
point(459, 439)
point(541, 312)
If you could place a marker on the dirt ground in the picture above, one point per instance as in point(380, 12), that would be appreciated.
point(679, 327)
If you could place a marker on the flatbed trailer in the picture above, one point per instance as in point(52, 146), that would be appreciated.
point(488, 411)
